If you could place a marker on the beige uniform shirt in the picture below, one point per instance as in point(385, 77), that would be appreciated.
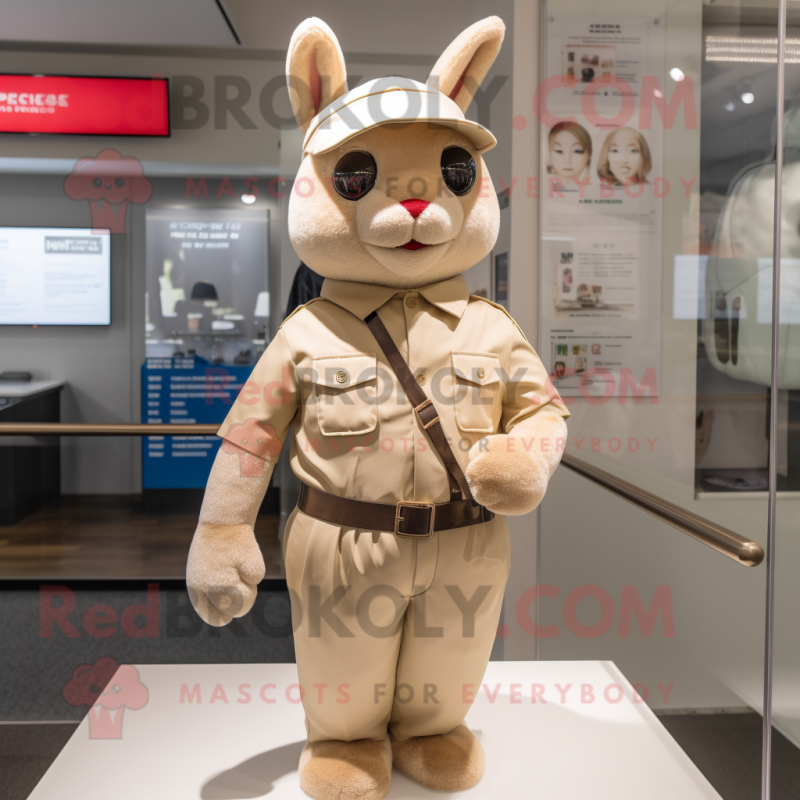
point(355, 432)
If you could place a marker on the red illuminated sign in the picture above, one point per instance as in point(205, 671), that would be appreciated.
point(94, 106)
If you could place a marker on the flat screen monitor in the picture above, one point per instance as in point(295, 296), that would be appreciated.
point(55, 276)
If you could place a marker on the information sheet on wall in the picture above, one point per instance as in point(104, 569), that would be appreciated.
point(601, 196)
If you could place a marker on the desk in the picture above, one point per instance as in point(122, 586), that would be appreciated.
point(30, 467)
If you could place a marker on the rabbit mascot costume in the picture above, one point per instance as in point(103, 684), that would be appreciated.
point(420, 416)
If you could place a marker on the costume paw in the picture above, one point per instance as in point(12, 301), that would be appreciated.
point(225, 566)
point(504, 478)
point(334, 770)
point(449, 762)
point(509, 473)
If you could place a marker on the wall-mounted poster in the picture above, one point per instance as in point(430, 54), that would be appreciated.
point(601, 195)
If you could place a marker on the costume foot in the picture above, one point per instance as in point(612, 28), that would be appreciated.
point(448, 762)
point(334, 770)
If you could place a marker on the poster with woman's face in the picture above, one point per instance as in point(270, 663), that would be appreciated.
point(577, 158)
point(624, 158)
point(569, 157)
point(625, 155)
point(601, 190)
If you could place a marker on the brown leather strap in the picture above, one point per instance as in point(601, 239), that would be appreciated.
point(406, 519)
point(423, 405)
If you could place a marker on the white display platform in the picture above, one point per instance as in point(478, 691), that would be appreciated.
point(173, 750)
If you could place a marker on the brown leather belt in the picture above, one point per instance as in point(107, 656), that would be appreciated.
point(404, 518)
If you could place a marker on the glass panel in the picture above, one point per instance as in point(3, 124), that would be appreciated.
point(647, 238)
point(786, 664)
point(657, 145)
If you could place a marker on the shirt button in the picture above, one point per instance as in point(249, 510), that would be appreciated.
point(341, 376)
point(421, 379)
point(411, 300)
point(481, 372)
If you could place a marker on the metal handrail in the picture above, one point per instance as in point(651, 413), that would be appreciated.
point(87, 429)
point(710, 533)
point(721, 539)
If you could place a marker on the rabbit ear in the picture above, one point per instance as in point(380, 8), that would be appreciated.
point(461, 68)
point(315, 70)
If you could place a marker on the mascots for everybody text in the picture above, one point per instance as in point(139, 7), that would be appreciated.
point(420, 417)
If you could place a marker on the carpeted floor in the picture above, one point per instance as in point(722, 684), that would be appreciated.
point(49, 630)
point(26, 752)
point(727, 750)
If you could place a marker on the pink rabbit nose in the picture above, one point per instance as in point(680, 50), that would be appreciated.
point(414, 207)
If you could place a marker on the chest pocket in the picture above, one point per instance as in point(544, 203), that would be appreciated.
point(345, 393)
point(476, 383)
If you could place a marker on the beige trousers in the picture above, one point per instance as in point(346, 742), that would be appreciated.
point(392, 631)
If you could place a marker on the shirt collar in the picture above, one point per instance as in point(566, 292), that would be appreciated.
point(362, 299)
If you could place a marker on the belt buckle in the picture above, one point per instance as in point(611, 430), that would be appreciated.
point(398, 518)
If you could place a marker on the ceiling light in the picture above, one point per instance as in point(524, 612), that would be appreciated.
point(750, 49)
point(676, 74)
point(748, 97)
point(248, 198)
point(730, 106)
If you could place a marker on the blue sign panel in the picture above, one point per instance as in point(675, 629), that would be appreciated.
point(184, 391)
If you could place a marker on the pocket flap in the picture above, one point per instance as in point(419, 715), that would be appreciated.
point(344, 371)
point(478, 368)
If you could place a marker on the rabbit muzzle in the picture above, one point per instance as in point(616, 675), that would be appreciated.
point(404, 239)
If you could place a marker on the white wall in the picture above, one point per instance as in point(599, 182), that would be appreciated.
point(367, 27)
point(98, 363)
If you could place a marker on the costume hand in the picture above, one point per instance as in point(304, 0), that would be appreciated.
point(509, 473)
point(225, 566)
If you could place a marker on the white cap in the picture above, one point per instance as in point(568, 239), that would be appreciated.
point(389, 100)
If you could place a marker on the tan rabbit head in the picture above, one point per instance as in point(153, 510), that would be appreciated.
point(396, 203)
